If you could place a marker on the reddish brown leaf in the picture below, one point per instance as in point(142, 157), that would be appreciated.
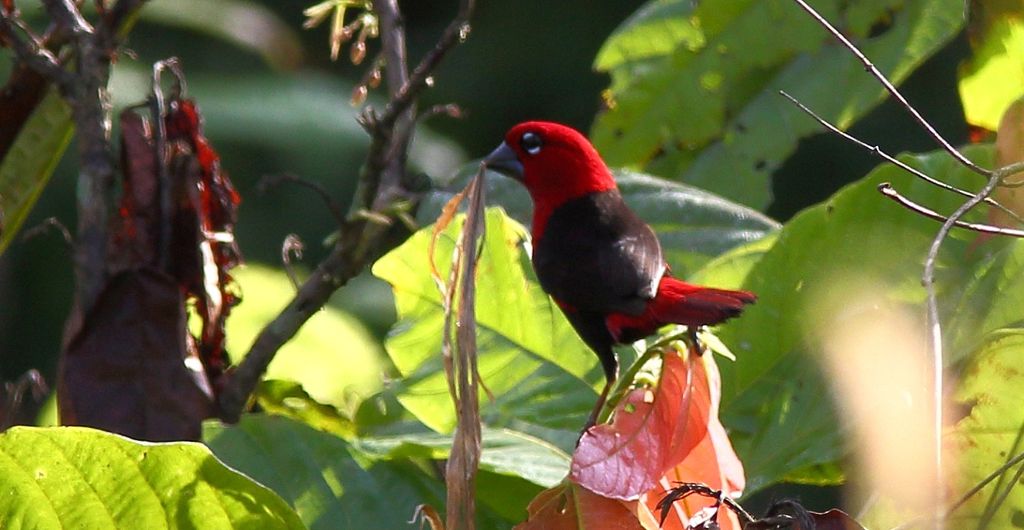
point(570, 507)
point(203, 244)
point(18, 99)
point(651, 432)
point(712, 462)
point(125, 372)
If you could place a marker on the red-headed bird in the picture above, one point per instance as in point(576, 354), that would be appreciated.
point(602, 264)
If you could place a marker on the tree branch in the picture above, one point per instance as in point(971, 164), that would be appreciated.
point(382, 190)
point(887, 190)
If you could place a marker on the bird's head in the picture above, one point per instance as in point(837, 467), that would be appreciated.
point(555, 162)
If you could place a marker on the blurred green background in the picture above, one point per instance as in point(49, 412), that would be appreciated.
point(275, 103)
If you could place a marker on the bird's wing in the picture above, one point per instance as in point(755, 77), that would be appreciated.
point(597, 255)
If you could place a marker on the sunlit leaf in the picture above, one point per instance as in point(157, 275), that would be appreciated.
point(333, 356)
point(991, 433)
point(530, 359)
point(702, 107)
point(993, 78)
point(28, 164)
point(70, 477)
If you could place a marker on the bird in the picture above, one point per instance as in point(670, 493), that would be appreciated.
point(597, 259)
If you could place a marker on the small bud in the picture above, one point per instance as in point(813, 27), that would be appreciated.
point(357, 52)
point(429, 81)
point(359, 94)
point(464, 32)
point(374, 80)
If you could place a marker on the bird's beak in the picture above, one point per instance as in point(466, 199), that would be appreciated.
point(504, 161)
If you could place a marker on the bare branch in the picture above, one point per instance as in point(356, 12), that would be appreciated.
point(381, 191)
point(48, 224)
point(874, 71)
point(29, 49)
point(896, 162)
point(456, 32)
point(887, 190)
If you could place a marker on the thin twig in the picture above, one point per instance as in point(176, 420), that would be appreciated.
point(887, 190)
point(935, 328)
point(158, 109)
point(47, 224)
point(896, 162)
point(270, 181)
point(984, 482)
point(874, 71)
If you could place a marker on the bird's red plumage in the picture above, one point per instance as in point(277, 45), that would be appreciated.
point(567, 167)
point(595, 256)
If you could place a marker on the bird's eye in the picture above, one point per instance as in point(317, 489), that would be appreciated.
point(531, 143)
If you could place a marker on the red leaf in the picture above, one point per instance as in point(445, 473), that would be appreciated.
point(124, 372)
point(652, 431)
point(712, 462)
point(570, 507)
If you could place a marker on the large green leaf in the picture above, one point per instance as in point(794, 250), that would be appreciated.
point(856, 238)
point(700, 104)
point(27, 167)
point(539, 372)
point(504, 451)
point(330, 482)
point(693, 225)
point(72, 477)
point(992, 301)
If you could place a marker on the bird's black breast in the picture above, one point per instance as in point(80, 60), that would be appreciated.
point(596, 255)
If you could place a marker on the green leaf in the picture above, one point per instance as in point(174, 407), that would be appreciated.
point(26, 169)
point(73, 477)
point(503, 451)
point(992, 433)
point(693, 225)
point(856, 238)
point(244, 24)
point(991, 301)
point(706, 110)
point(994, 77)
point(330, 482)
point(333, 356)
point(540, 374)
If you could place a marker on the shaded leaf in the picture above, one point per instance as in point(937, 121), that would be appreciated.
point(772, 394)
point(28, 162)
point(125, 370)
point(572, 507)
point(692, 225)
point(66, 477)
point(701, 106)
point(329, 482)
point(244, 24)
point(504, 451)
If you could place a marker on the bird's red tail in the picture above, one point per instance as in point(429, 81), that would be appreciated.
point(678, 302)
